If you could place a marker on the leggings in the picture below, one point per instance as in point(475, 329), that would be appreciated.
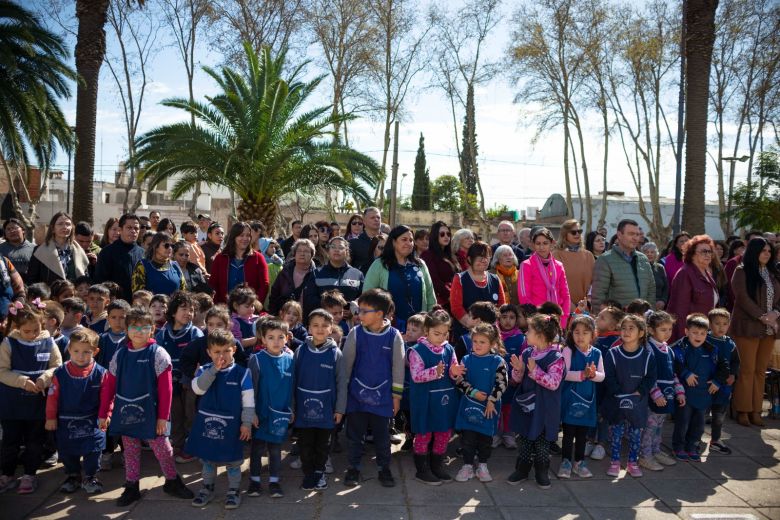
point(537, 450)
point(504, 427)
point(162, 451)
point(476, 445)
point(617, 431)
point(574, 438)
point(18, 433)
point(440, 441)
point(651, 437)
point(259, 447)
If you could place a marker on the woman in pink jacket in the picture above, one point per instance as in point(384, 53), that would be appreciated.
point(542, 277)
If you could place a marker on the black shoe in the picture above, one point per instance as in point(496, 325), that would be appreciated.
point(437, 468)
point(408, 444)
point(176, 488)
point(310, 482)
point(129, 495)
point(719, 447)
point(275, 490)
point(522, 470)
point(542, 470)
point(71, 484)
point(555, 449)
point(386, 478)
point(424, 473)
point(352, 477)
point(255, 489)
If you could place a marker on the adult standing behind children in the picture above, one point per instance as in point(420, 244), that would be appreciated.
point(542, 277)
point(372, 222)
point(117, 260)
point(16, 247)
point(59, 257)
point(239, 263)
point(473, 285)
point(293, 277)
point(440, 262)
point(213, 244)
point(336, 273)
point(577, 261)
point(156, 272)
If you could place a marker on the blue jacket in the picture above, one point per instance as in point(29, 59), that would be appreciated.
point(346, 279)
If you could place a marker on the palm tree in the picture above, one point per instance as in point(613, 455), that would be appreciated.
point(33, 76)
point(254, 139)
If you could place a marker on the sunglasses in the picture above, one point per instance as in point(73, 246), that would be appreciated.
point(168, 246)
point(324, 229)
point(145, 227)
point(445, 234)
point(575, 232)
point(357, 223)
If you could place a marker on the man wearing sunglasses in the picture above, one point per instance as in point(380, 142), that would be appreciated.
point(506, 237)
point(372, 222)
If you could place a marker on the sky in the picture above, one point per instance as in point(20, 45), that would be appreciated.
point(514, 171)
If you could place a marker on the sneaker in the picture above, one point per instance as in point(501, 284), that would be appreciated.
point(465, 474)
point(614, 469)
point(497, 440)
point(275, 490)
point(176, 488)
point(681, 455)
point(664, 459)
point(581, 470)
point(131, 494)
point(310, 482)
point(184, 458)
point(27, 484)
point(650, 463)
point(509, 441)
point(106, 461)
point(719, 447)
point(204, 496)
point(483, 473)
point(7, 483)
point(694, 456)
point(51, 460)
point(395, 438)
point(352, 477)
point(232, 499)
point(255, 489)
point(386, 478)
point(565, 470)
point(589, 448)
point(633, 469)
point(322, 482)
point(598, 452)
point(295, 463)
point(71, 484)
point(328, 466)
point(92, 485)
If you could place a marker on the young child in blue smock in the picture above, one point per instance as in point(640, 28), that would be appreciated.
point(720, 320)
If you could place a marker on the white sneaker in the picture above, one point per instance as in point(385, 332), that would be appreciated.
point(589, 448)
point(465, 474)
point(665, 459)
point(650, 463)
point(598, 452)
point(328, 466)
point(483, 474)
point(509, 441)
point(295, 463)
point(496, 441)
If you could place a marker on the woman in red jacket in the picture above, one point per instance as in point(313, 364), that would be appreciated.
point(238, 263)
point(694, 288)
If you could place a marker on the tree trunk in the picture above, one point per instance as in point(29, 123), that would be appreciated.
point(700, 21)
point(264, 210)
point(90, 51)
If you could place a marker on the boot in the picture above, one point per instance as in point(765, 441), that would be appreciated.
point(424, 474)
point(176, 488)
point(542, 474)
point(522, 469)
point(129, 495)
point(437, 468)
point(742, 419)
point(755, 419)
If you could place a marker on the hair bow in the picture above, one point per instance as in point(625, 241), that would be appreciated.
point(14, 307)
point(547, 317)
point(38, 303)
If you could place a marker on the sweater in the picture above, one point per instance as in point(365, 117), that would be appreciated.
point(441, 271)
point(615, 278)
point(745, 320)
point(255, 275)
point(284, 289)
point(45, 264)
point(578, 266)
point(531, 287)
point(378, 277)
point(10, 378)
point(116, 262)
point(347, 279)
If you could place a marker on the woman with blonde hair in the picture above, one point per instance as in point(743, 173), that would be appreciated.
point(461, 242)
point(577, 261)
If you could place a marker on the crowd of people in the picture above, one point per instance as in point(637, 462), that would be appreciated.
point(199, 341)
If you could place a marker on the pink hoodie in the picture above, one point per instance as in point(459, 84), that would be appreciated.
point(532, 289)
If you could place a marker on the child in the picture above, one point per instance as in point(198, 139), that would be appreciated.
point(115, 291)
point(72, 410)
point(74, 313)
point(272, 379)
point(292, 313)
point(703, 373)
point(54, 314)
point(97, 299)
point(482, 378)
point(226, 415)
point(139, 378)
point(241, 302)
point(320, 397)
point(630, 375)
point(720, 320)
point(143, 298)
point(480, 312)
point(584, 368)
point(514, 344)
point(432, 397)
point(82, 285)
point(174, 337)
point(28, 359)
point(664, 393)
point(536, 409)
point(638, 307)
point(414, 330)
point(111, 339)
point(334, 302)
point(158, 306)
point(61, 290)
point(38, 290)
point(204, 302)
point(374, 364)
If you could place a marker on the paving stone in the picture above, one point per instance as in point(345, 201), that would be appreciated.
point(623, 492)
point(722, 467)
point(657, 512)
point(719, 513)
point(757, 493)
point(546, 513)
point(529, 494)
point(681, 493)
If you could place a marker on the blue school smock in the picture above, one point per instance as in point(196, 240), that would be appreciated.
point(6, 290)
point(664, 368)
point(315, 387)
point(135, 404)
point(174, 343)
point(434, 404)
point(405, 403)
point(273, 395)
point(466, 338)
point(473, 294)
point(405, 285)
point(77, 412)
point(108, 344)
point(371, 381)
point(701, 361)
point(217, 425)
point(536, 410)
point(166, 281)
point(99, 326)
point(630, 373)
point(578, 400)
point(481, 373)
point(726, 351)
point(31, 359)
point(512, 345)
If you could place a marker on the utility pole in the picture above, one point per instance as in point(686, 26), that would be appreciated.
point(680, 128)
point(394, 180)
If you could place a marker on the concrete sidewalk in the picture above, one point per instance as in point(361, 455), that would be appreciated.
point(743, 485)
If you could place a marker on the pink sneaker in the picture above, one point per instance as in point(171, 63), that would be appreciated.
point(614, 469)
point(633, 469)
point(27, 484)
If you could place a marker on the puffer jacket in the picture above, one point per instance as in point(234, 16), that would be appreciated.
point(614, 278)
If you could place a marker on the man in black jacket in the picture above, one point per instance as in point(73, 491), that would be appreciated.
point(116, 261)
point(372, 219)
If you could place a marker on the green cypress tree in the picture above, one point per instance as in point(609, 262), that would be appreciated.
point(467, 174)
point(421, 193)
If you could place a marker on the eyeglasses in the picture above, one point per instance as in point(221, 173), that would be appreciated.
point(357, 223)
point(142, 328)
point(575, 232)
point(705, 252)
point(367, 311)
point(445, 234)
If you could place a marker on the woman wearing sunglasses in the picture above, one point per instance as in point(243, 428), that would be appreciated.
point(438, 258)
point(577, 261)
point(156, 272)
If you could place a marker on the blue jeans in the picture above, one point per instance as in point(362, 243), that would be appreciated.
point(73, 463)
point(357, 425)
point(688, 428)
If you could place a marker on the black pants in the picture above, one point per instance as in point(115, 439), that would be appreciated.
point(537, 450)
point(574, 436)
point(718, 415)
point(475, 445)
point(314, 446)
point(16, 433)
point(358, 424)
point(73, 463)
point(259, 447)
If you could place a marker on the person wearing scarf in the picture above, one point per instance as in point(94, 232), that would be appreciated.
point(505, 267)
point(577, 261)
point(542, 277)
